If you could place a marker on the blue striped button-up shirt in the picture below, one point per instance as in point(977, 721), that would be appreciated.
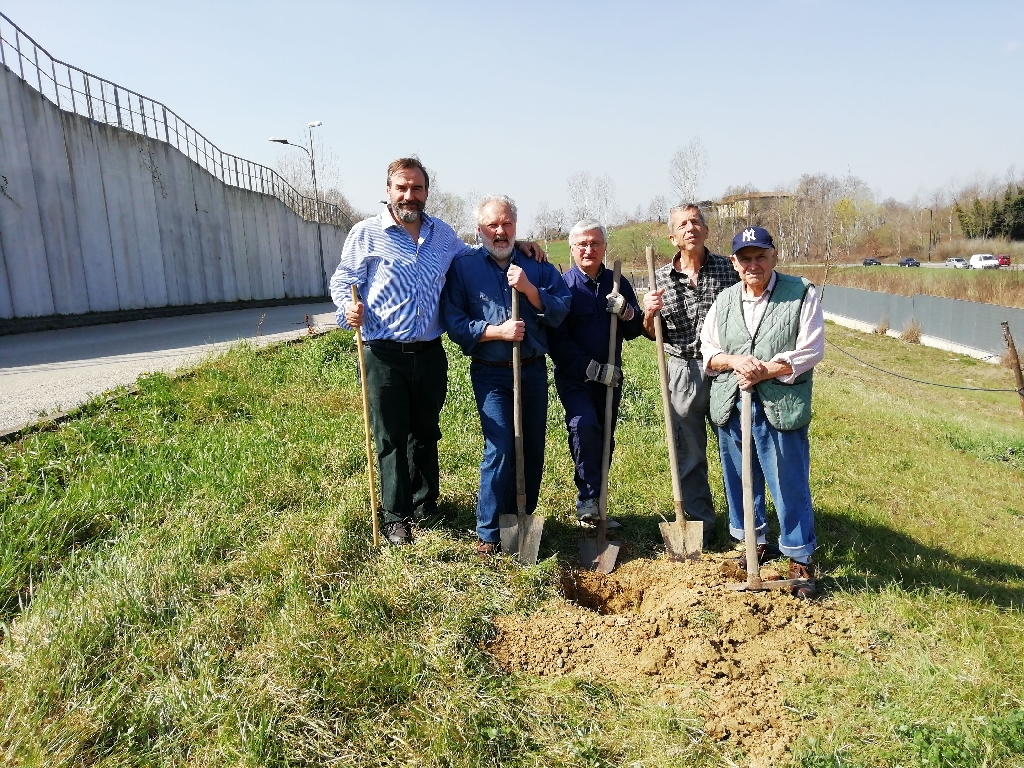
point(399, 280)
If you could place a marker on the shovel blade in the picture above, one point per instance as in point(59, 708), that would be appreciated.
point(508, 530)
point(684, 539)
point(602, 561)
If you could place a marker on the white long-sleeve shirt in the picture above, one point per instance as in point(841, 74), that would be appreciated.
point(810, 338)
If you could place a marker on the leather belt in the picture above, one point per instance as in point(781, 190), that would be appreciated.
point(508, 363)
point(408, 347)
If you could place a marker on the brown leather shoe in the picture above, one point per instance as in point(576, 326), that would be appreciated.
point(807, 591)
point(486, 548)
point(765, 553)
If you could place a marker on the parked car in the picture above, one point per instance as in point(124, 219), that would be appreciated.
point(984, 261)
point(957, 262)
point(908, 262)
point(1004, 260)
point(871, 263)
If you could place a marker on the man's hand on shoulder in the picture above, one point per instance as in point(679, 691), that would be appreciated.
point(532, 250)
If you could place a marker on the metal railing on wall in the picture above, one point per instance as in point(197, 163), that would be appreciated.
point(75, 90)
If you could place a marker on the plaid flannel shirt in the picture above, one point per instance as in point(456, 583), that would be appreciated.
point(687, 305)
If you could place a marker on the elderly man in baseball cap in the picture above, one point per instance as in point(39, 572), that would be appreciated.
point(765, 334)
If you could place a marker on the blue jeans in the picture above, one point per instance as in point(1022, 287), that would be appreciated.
point(584, 403)
point(492, 387)
point(782, 461)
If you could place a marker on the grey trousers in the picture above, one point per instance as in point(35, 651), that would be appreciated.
point(690, 394)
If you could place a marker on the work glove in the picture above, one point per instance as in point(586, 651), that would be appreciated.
point(616, 304)
point(609, 375)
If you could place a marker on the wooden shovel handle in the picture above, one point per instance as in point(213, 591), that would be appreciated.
point(609, 421)
point(666, 399)
point(749, 524)
point(517, 422)
point(370, 458)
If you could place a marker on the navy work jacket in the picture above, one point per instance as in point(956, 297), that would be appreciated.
point(583, 336)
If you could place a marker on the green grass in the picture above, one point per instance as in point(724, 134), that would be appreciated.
point(186, 578)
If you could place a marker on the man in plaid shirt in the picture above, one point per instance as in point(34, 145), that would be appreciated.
point(686, 288)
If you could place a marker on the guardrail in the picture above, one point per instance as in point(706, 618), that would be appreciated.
point(75, 90)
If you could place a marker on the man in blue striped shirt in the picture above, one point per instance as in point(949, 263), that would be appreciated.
point(398, 260)
point(476, 310)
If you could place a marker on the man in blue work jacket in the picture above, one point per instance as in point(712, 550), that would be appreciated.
point(579, 349)
point(476, 311)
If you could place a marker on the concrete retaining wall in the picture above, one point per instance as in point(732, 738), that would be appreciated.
point(95, 219)
point(967, 324)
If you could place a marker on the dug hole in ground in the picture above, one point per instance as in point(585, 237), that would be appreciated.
point(719, 653)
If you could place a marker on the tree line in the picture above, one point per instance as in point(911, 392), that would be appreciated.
point(819, 217)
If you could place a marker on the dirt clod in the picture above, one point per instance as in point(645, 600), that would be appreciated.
point(705, 648)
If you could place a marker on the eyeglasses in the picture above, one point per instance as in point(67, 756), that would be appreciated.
point(592, 245)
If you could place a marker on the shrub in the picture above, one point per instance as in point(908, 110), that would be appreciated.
point(911, 332)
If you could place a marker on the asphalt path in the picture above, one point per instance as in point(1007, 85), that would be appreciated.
point(51, 371)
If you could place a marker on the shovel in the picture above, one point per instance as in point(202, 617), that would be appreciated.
point(520, 533)
point(598, 554)
point(753, 583)
point(370, 458)
point(683, 538)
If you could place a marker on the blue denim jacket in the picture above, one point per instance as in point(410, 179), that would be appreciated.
point(477, 294)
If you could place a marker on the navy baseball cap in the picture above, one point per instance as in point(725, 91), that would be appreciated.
point(755, 236)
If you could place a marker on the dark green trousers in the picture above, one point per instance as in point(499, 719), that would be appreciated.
point(406, 393)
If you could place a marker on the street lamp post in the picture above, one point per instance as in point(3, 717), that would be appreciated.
point(929, 234)
point(316, 196)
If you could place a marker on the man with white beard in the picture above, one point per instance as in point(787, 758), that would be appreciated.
point(476, 311)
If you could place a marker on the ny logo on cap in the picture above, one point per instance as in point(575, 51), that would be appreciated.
point(748, 235)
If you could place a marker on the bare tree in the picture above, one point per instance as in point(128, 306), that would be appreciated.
point(686, 170)
point(293, 166)
point(577, 188)
point(658, 209)
point(549, 224)
point(453, 210)
point(591, 197)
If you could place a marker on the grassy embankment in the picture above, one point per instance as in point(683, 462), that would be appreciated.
point(186, 579)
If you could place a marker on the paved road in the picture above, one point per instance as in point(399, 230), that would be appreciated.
point(52, 371)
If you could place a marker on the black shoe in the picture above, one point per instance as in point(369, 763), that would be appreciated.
point(807, 590)
point(397, 533)
point(765, 553)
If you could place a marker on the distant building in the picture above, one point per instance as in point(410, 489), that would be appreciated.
point(747, 204)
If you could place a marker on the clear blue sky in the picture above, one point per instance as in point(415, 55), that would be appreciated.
point(514, 97)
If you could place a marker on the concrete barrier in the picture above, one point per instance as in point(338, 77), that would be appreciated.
point(95, 218)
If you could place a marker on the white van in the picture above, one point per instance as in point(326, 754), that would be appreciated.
point(984, 261)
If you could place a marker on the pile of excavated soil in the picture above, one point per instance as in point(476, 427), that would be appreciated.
point(711, 650)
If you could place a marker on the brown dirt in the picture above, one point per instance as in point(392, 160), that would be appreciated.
point(700, 646)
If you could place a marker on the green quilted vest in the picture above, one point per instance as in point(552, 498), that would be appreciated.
point(786, 406)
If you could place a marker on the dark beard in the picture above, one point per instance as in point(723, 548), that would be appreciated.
point(406, 214)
